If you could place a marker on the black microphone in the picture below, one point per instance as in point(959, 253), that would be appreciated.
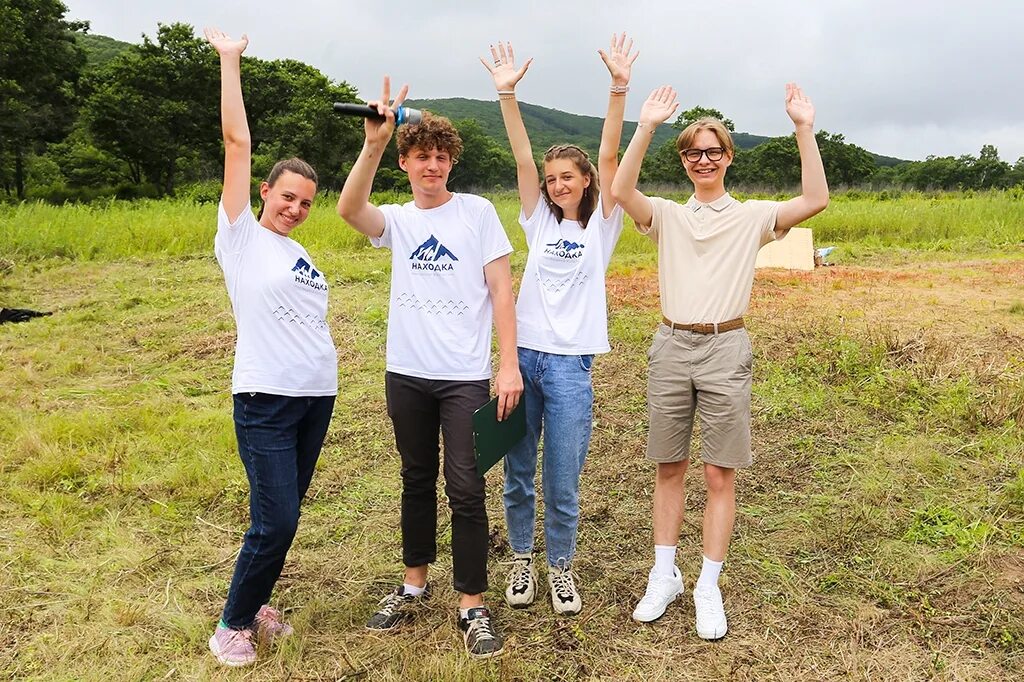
point(402, 114)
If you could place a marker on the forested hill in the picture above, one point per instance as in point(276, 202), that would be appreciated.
point(100, 49)
point(546, 126)
point(551, 126)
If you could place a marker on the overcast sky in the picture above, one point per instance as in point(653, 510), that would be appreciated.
point(905, 78)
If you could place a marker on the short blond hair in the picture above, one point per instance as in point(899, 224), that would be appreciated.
point(685, 139)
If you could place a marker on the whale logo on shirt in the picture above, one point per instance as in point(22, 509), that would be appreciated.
point(427, 257)
point(564, 248)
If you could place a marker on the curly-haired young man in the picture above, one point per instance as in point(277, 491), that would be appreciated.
point(450, 276)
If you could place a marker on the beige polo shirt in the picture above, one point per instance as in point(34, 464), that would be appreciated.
point(706, 255)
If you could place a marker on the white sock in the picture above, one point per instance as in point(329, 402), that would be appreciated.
point(709, 573)
point(463, 613)
point(412, 590)
point(665, 560)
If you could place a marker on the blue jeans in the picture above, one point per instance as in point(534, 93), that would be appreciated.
point(559, 394)
point(279, 441)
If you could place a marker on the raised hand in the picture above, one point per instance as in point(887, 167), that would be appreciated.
point(618, 60)
point(799, 106)
point(659, 107)
point(504, 71)
point(380, 131)
point(224, 44)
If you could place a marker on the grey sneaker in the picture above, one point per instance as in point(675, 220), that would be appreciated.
point(565, 599)
point(395, 608)
point(478, 632)
point(522, 582)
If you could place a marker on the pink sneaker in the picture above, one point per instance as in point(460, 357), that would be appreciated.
point(270, 626)
point(233, 647)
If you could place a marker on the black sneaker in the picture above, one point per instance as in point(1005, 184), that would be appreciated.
point(478, 631)
point(395, 608)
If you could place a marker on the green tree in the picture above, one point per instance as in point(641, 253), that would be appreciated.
point(156, 104)
point(691, 115)
point(288, 104)
point(40, 64)
point(776, 163)
point(484, 164)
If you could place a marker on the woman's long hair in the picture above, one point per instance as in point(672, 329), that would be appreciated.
point(589, 201)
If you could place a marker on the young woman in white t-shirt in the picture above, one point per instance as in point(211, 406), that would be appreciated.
point(571, 225)
point(285, 376)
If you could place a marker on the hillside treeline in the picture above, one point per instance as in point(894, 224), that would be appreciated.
point(84, 117)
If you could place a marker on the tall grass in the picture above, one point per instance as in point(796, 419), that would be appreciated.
point(859, 223)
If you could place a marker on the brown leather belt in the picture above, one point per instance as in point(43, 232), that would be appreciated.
point(706, 327)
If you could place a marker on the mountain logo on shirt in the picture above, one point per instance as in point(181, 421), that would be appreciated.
point(306, 274)
point(427, 257)
point(564, 248)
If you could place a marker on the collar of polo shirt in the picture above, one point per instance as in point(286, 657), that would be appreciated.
point(718, 205)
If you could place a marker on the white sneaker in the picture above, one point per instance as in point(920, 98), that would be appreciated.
point(661, 591)
point(565, 599)
point(707, 603)
point(522, 582)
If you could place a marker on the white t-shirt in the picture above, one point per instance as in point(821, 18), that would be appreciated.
point(562, 307)
point(439, 321)
point(284, 346)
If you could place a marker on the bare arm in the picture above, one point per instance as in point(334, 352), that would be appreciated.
point(656, 110)
point(237, 143)
point(508, 383)
point(354, 203)
point(506, 76)
point(619, 64)
point(813, 184)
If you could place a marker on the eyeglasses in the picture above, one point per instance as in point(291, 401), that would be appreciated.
point(713, 154)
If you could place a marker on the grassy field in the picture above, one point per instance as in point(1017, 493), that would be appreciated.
point(880, 534)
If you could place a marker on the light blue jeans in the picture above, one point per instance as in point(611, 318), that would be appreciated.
point(559, 395)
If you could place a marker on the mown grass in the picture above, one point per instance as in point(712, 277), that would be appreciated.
point(880, 535)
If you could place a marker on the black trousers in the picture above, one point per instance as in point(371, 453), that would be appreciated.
point(420, 410)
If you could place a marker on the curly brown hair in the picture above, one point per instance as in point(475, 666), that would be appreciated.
point(433, 132)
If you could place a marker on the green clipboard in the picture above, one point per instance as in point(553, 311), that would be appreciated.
point(492, 439)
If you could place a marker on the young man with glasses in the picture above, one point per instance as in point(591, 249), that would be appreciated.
point(700, 359)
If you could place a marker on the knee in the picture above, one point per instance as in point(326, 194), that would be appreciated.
point(465, 499)
point(672, 472)
point(279, 530)
point(719, 480)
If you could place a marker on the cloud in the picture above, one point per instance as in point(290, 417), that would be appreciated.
point(904, 79)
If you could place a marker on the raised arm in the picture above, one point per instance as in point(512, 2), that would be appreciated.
point(620, 64)
point(354, 203)
point(656, 110)
point(506, 76)
point(813, 185)
point(237, 143)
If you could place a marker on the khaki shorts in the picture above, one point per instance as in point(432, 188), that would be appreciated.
point(704, 374)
